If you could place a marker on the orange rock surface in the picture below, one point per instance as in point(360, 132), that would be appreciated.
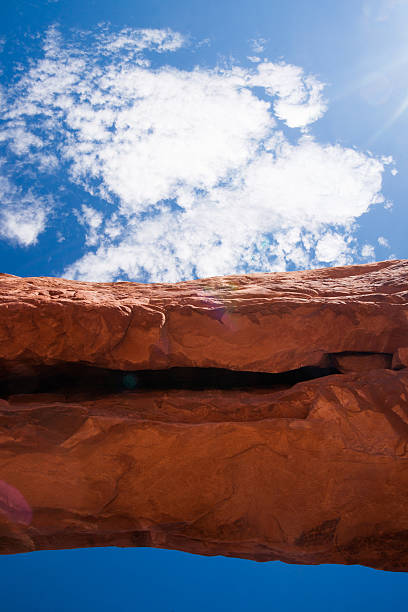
point(262, 416)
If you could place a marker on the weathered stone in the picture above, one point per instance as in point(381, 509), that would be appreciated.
point(361, 362)
point(143, 415)
point(400, 358)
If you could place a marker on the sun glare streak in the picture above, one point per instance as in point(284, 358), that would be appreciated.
point(387, 71)
point(394, 117)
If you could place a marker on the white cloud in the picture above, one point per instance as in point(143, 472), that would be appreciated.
point(205, 42)
point(22, 223)
point(91, 219)
point(368, 251)
point(294, 194)
point(299, 100)
point(201, 177)
point(21, 140)
point(161, 144)
point(22, 215)
point(383, 241)
point(258, 44)
point(332, 248)
point(161, 40)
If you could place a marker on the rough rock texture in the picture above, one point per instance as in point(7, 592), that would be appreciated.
point(129, 415)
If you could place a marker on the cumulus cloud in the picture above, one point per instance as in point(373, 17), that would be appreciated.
point(331, 247)
point(206, 171)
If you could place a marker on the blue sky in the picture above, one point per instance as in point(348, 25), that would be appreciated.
point(166, 140)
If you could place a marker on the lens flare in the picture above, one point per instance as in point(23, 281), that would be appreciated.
point(130, 381)
point(220, 309)
point(14, 505)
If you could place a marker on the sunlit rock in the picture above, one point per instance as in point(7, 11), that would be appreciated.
point(262, 416)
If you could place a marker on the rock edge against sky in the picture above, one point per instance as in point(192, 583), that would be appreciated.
point(261, 416)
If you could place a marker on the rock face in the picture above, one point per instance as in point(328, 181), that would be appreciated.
point(262, 416)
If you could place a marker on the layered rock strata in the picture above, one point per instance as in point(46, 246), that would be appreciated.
point(262, 416)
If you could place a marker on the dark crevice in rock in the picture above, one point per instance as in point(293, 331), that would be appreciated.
point(76, 378)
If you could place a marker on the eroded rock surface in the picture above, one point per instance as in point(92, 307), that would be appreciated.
point(262, 416)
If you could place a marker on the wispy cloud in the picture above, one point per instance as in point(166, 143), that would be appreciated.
point(91, 219)
point(22, 215)
point(207, 171)
point(383, 241)
point(382, 10)
point(258, 44)
point(140, 40)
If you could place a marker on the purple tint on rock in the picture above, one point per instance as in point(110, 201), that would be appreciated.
point(218, 310)
point(217, 314)
point(14, 505)
point(229, 322)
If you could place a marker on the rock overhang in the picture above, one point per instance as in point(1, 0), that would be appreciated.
point(340, 333)
point(260, 322)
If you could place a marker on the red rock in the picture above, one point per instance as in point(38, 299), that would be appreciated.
point(361, 362)
point(310, 466)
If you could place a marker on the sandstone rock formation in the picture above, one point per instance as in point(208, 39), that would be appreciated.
point(262, 416)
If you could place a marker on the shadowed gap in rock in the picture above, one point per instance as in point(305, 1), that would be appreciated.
point(77, 378)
